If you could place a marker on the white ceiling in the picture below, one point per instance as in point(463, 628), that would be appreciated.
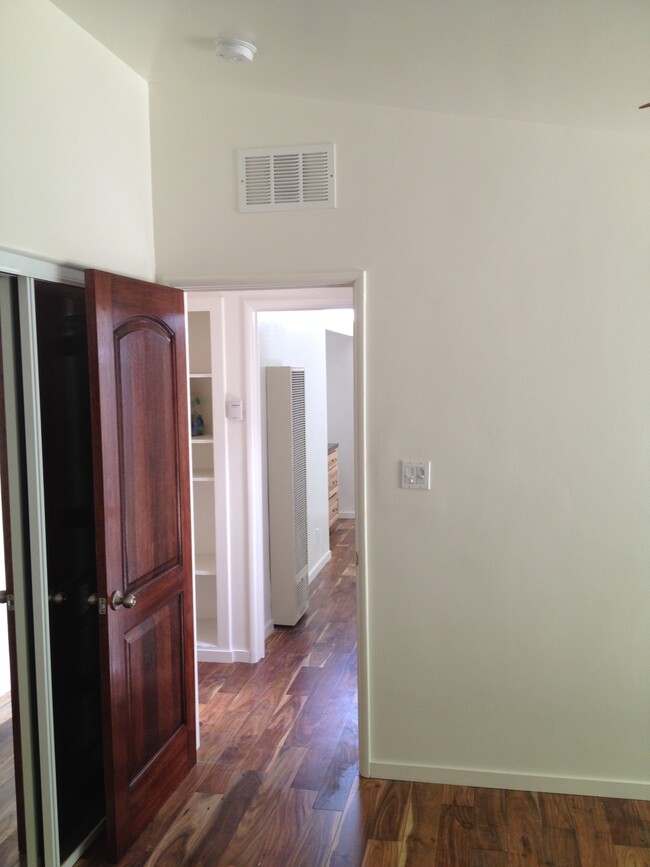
point(573, 62)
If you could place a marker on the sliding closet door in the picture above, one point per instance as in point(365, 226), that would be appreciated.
point(139, 418)
point(67, 472)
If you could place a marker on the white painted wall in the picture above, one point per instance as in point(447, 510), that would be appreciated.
point(75, 168)
point(507, 340)
point(340, 413)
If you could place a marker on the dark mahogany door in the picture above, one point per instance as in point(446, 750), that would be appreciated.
point(139, 415)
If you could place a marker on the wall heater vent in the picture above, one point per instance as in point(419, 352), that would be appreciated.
point(287, 179)
point(287, 473)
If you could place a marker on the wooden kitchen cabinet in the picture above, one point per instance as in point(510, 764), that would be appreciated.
point(333, 481)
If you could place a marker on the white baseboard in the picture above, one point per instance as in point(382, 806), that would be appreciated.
point(315, 569)
point(520, 782)
point(216, 654)
point(268, 629)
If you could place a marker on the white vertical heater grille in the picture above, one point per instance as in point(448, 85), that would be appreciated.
point(299, 468)
point(287, 474)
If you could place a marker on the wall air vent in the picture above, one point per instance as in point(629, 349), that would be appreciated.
point(287, 179)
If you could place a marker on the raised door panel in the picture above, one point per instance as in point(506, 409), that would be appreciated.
point(149, 459)
point(156, 700)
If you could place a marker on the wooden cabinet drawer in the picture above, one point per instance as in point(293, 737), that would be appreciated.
point(334, 508)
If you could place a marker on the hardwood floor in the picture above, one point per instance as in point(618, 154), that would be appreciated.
point(9, 856)
point(277, 780)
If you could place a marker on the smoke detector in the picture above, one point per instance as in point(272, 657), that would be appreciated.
point(235, 50)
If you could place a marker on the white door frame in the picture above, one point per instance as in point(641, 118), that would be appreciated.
point(317, 291)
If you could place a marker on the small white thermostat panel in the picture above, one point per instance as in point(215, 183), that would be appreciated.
point(416, 475)
point(235, 409)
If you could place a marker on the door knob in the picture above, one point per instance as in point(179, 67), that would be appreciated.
point(118, 599)
point(57, 598)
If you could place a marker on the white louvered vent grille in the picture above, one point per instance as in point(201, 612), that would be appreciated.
point(285, 179)
point(287, 488)
point(299, 467)
point(302, 593)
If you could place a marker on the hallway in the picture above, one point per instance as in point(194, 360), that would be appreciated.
point(278, 755)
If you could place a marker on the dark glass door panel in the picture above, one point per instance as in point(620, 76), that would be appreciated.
point(70, 540)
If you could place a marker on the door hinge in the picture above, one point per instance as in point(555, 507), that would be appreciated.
point(8, 599)
point(99, 601)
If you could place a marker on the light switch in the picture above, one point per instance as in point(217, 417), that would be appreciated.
point(416, 475)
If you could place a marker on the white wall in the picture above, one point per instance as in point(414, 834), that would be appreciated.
point(340, 413)
point(75, 168)
point(508, 318)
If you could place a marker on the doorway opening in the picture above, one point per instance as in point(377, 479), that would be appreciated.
point(239, 471)
point(319, 343)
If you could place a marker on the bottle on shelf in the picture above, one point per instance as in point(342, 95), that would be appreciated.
point(198, 427)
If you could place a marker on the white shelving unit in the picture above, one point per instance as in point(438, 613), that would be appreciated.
point(210, 586)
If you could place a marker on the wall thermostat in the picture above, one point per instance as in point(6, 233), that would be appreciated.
point(235, 410)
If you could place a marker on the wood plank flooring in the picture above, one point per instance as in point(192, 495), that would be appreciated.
point(9, 856)
point(277, 780)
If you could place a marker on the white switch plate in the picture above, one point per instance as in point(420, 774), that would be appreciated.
point(416, 475)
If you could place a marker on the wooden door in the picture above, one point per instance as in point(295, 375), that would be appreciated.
point(139, 416)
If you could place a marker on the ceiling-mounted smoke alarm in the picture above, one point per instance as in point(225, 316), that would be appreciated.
point(235, 50)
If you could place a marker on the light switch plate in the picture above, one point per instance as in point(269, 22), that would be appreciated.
point(416, 475)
